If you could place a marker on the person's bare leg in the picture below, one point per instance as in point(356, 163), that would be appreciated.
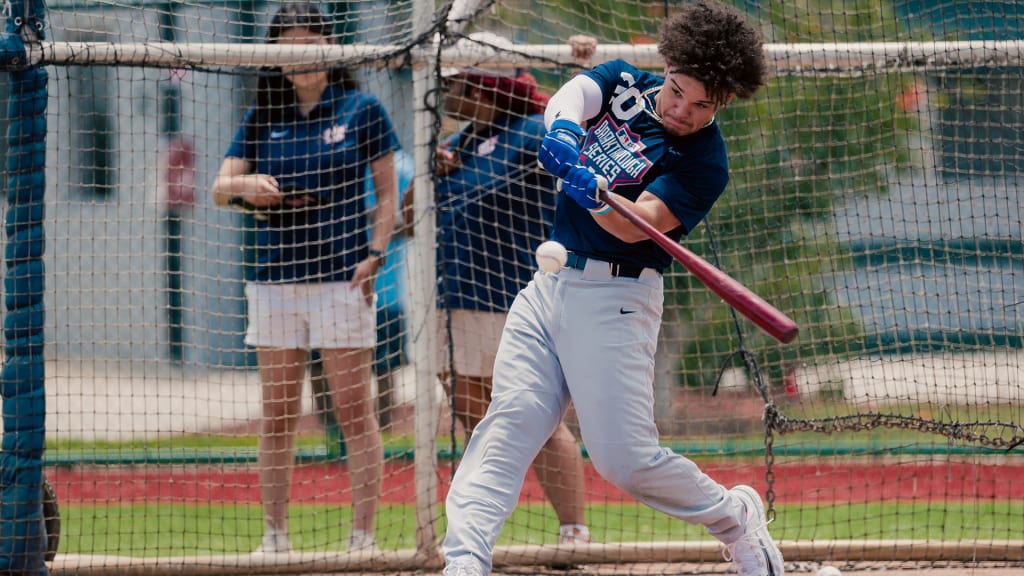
point(472, 396)
point(281, 373)
point(349, 374)
point(559, 469)
point(385, 398)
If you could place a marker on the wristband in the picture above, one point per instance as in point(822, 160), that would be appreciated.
point(604, 208)
point(566, 125)
point(379, 255)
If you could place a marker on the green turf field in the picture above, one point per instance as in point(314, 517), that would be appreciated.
point(182, 530)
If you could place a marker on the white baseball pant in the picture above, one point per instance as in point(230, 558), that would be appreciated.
point(591, 336)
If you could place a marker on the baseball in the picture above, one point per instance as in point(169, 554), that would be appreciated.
point(551, 256)
point(829, 571)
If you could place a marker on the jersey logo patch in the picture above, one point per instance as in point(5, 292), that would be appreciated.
point(616, 152)
point(335, 134)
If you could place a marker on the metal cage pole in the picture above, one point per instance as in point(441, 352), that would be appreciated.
point(423, 277)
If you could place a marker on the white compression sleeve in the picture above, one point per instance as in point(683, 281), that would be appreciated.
point(578, 100)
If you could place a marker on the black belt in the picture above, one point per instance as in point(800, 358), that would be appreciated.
point(622, 270)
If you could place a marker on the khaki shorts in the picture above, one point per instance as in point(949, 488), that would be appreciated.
point(308, 316)
point(475, 336)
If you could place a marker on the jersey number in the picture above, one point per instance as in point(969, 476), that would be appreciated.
point(628, 101)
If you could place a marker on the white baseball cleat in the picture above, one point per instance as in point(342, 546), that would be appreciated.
point(275, 541)
point(755, 553)
point(574, 536)
point(464, 566)
point(362, 541)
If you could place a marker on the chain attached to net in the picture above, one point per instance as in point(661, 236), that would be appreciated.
point(1010, 436)
point(769, 460)
point(754, 370)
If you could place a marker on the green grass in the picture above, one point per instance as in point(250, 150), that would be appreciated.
point(178, 530)
point(849, 441)
point(216, 449)
point(179, 442)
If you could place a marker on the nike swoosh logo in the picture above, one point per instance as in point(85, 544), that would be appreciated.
point(624, 311)
point(275, 135)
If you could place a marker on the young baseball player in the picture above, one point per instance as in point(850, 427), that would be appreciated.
point(589, 331)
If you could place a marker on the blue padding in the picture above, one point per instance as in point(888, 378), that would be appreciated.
point(28, 106)
point(22, 379)
point(26, 244)
point(24, 284)
point(12, 51)
point(25, 184)
point(23, 217)
point(22, 535)
point(23, 433)
point(25, 131)
point(21, 375)
point(28, 155)
point(31, 344)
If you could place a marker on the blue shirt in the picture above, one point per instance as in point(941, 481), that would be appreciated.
point(492, 214)
point(631, 148)
point(327, 153)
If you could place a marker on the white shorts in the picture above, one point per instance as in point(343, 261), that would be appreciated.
point(475, 336)
point(309, 315)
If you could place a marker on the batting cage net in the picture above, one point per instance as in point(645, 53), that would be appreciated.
point(193, 384)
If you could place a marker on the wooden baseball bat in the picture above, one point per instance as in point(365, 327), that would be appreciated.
point(767, 317)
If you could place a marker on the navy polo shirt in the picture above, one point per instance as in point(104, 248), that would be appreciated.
point(492, 214)
point(627, 145)
point(325, 153)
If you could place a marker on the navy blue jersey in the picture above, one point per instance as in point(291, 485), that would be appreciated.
point(325, 153)
point(629, 146)
point(492, 214)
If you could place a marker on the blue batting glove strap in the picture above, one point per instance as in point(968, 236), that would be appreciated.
point(581, 185)
point(560, 149)
point(568, 126)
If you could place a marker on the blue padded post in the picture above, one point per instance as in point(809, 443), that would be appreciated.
point(22, 535)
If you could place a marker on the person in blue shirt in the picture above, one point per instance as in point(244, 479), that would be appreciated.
point(299, 162)
point(588, 332)
point(494, 206)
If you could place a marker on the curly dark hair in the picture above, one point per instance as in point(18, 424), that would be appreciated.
point(714, 44)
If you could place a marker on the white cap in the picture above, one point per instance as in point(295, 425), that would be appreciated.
point(483, 46)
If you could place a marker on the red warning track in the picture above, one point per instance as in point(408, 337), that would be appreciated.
point(329, 483)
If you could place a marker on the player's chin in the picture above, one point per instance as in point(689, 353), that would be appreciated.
point(677, 128)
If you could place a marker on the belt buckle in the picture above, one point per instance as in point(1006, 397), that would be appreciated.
point(613, 267)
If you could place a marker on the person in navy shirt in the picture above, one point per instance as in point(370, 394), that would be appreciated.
point(299, 162)
point(494, 206)
point(588, 332)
